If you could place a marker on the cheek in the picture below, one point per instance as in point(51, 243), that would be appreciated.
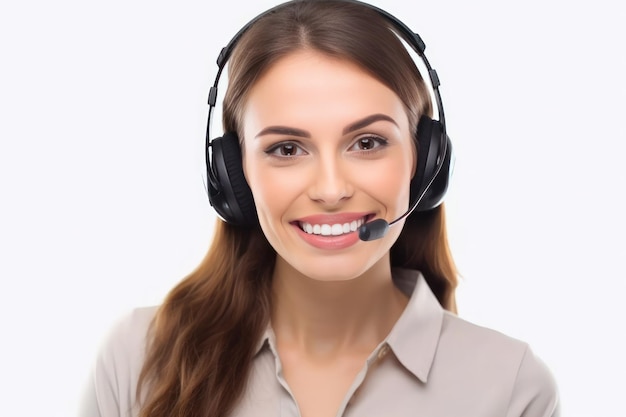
point(256, 180)
point(389, 182)
point(273, 190)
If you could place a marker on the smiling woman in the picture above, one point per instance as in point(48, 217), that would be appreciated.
point(298, 308)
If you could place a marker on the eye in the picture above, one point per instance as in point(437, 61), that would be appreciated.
point(285, 149)
point(367, 143)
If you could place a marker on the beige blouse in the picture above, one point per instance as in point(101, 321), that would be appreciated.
point(432, 364)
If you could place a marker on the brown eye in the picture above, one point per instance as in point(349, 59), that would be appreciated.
point(368, 143)
point(285, 149)
point(288, 149)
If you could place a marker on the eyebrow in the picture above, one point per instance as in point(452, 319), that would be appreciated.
point(359, 124)
point(284, 130)
point(366, 121)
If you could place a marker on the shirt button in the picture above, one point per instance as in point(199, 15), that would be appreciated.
point(382, 352)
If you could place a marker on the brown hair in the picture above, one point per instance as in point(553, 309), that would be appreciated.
point(203, 338)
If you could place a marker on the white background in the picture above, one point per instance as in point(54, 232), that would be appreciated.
point(102, 122)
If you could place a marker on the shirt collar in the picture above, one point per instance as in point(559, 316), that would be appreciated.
point(267, 338)
point(415, 336)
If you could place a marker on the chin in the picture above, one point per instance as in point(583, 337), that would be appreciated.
point(332, 275)
point(336, 268)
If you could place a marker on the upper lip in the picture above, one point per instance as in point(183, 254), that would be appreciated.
point(335, 218)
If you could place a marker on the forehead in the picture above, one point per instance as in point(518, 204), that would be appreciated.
point(308, 87)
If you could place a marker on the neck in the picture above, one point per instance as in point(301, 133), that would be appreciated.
point(325, 318)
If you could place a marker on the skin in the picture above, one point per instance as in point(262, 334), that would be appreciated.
point(304, 156)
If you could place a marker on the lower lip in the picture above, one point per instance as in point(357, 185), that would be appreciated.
point(329, 242)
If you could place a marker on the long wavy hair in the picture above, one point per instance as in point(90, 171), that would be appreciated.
point(202, 340)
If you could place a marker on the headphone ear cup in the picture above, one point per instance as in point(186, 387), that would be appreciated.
point(229, 193)
point(438, 189)
point(429, 149)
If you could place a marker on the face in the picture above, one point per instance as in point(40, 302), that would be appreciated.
point(326, 147)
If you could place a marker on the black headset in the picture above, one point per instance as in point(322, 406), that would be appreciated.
point(230, 194)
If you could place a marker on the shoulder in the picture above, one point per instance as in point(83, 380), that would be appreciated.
point(131, 328)
point(126, 341)
point(124, 346)
point(477, 340)
point(502, 363)
point(111, 390)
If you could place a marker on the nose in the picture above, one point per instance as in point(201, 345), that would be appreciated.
point(330, 184)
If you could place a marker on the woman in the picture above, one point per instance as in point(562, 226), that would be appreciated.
point(290, 313)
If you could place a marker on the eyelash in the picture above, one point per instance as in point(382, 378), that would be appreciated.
point(274, 150)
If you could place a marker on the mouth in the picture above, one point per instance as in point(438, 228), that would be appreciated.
point(332, 229)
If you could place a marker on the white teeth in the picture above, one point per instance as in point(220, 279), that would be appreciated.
point(337, 229)
point(331, 229)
